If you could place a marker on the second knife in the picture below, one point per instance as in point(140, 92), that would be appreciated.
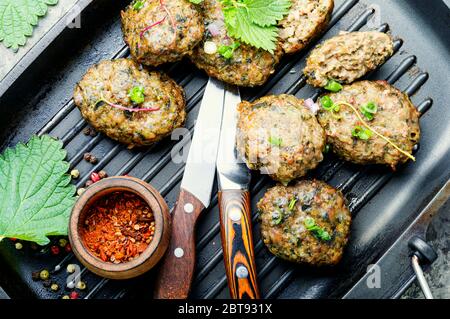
point(234, 205)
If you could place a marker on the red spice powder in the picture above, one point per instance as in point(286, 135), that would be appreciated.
point(118, 227)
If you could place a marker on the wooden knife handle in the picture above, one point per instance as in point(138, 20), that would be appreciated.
point(177, 268)
point(237, 243)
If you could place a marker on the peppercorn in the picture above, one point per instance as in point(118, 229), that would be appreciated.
point(68, 248)
point(81, 285)
point(44, 274)
point(35, 275)
point(87, 157)
point(47, 283)
point(93, 133)
point(93, 160)
point(71, 268)
point(95, 177)
point(55, 250)
point(80, 191)
point(102, 174)
point(54, 287)
point(62, 242)
point(87, 131)
point(75, 173)
point(18, 246)
point(89, 183)
point(74, 295)
point(65, 297)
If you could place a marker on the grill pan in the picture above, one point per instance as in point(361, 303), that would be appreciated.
point(384, 205)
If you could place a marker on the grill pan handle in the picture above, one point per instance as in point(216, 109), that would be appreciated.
point(237, 243)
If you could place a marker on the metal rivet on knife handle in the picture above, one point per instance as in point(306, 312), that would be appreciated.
point(242, 272)
point(188, 208)
point(178, 252)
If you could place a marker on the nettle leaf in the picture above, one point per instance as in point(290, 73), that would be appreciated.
point(36, 196)
point(252, 34)
point(266, 13)
point(17, 18)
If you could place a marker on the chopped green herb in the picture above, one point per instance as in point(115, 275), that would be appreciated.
point(326, 102)
point(292, 203)
point(361, 133)
point(333, 86)
point(138, 5)
point(277, 218)
point(136, 94)
point(309, 223)
point(227, 50)
point(275, 141)
point(196, 1)
point(318, 231)
point(368, 110)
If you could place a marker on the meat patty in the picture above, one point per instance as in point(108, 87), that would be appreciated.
point(247, 66)
point(308, 222)
point(279, 136)
point(396, 118)
point(105, 90)
point(161, 30)
point(347, 57)
point(306, 20)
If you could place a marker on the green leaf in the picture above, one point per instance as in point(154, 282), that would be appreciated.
point(36, 196)
point(252, 34)
point(267, 12)
point(196, 1)
point(254, 21)
point(17, 18)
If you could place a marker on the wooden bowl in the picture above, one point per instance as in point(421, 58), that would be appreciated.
point(150, 256)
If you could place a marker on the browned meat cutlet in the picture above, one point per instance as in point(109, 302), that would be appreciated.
point(396, 118)
point(347, 57)
point(279, 136)
point(308, 222)
point(247, 67)
point(306, 20)
point(161, 30)
point(112, 81)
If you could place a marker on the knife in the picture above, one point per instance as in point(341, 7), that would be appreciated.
point(177, 268)
point(234, 205)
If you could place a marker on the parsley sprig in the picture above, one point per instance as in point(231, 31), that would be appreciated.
point(255, 21)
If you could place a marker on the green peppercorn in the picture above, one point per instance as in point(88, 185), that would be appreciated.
point(54, 287)
point(75, 173)
point(81, 285)
point(44, 274)
point(18, 246)
point(62, 242)
point(65, 297)
point(71, 268)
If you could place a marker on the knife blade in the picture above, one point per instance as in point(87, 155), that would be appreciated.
point(176, 271)
point(234, 206)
